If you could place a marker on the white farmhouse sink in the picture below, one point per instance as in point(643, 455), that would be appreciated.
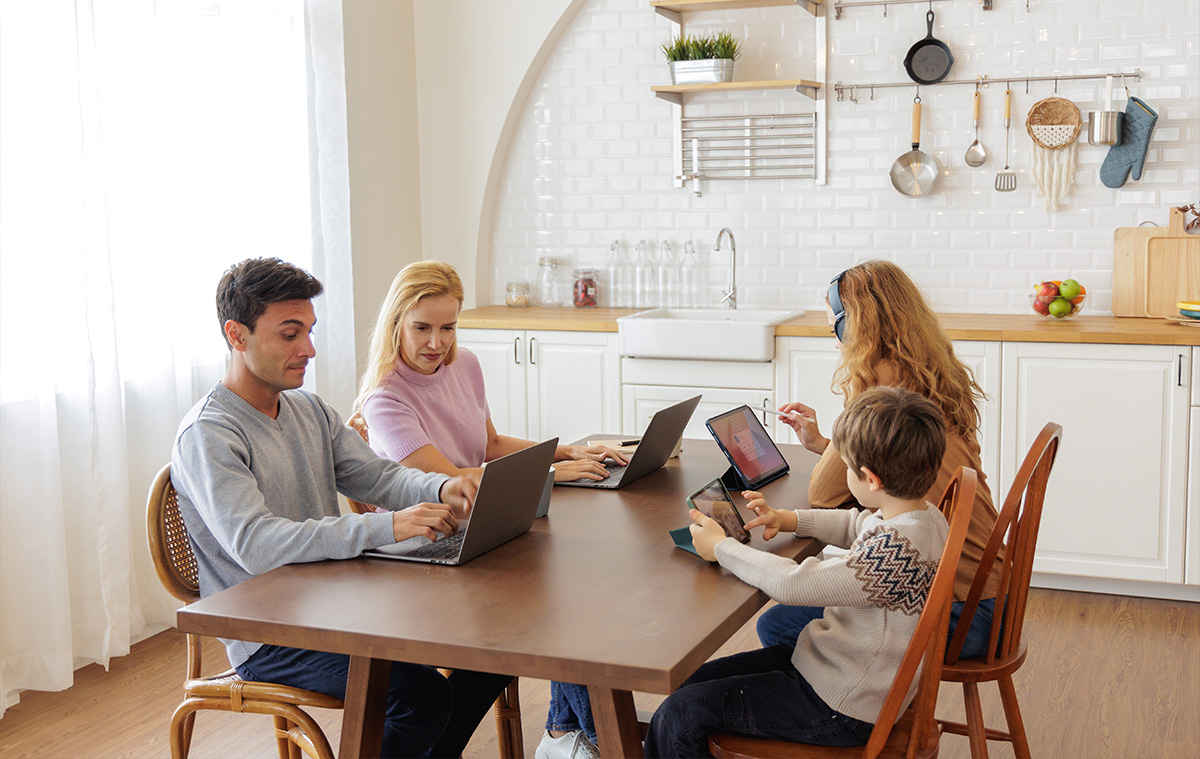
point(711, 334)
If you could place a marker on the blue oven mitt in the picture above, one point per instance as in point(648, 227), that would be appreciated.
point(1130, 152)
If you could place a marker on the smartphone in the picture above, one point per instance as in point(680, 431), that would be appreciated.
point(713, 500)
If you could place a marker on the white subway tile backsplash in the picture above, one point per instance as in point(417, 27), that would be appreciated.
point(591, 159)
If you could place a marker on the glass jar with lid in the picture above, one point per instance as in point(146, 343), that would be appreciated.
point(548, 290)
point(516, 295)
point(585, 292)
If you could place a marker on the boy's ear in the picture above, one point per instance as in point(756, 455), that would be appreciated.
point(872, 479)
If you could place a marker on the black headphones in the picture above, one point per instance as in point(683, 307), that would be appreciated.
point(839, 312)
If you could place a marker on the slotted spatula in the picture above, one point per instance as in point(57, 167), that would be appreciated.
point(1006, 178)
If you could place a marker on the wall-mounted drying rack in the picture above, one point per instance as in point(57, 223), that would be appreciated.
point(838, 7)
point(980, 81)
point(767, 146)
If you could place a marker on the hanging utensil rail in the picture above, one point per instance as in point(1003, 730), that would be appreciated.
point(980, 81)
point(749, 147)
point(839, 7)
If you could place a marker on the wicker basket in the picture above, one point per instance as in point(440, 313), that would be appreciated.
point(1053, 123)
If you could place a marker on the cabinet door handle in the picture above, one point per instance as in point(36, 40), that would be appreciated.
point(532, 347)
point(1179, 371)
point(764, 414)
point(517, 350)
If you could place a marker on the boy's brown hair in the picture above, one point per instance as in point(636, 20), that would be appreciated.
point(897, 434)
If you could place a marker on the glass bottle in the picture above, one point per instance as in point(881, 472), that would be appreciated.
point(516, 295)
point(585, 291)
point(646, 295)
point(614, 289)
point(548, 291)
point(689, 277)
point(667, 274)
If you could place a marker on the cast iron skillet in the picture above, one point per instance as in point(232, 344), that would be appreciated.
point(928, 61)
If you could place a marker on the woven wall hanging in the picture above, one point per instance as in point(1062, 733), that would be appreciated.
point(1053, 124)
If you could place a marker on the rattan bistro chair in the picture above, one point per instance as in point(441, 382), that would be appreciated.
point(295, 730)
point(915, 735)
point(509, 736)
point(1016, 529)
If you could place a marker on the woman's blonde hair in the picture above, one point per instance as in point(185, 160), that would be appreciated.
point(414, 282)
point(888, 323)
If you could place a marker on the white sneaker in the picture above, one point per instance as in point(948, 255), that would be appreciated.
point(573, 745)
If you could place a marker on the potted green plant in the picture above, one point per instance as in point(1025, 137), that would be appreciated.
point(702, 59)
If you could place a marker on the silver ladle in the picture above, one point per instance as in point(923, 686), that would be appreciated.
point(976, 155)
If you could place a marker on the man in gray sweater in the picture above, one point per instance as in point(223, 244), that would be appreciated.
point(258, 464)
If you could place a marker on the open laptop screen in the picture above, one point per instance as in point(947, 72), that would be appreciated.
point(747, 446)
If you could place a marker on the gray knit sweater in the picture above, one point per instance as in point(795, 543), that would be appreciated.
point(872, 597)
point(257, 493)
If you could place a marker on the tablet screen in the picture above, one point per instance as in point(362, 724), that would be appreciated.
point(714, 501)
point(747, 446)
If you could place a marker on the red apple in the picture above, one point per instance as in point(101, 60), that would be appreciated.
point(1041, 306)
point(1046, 292)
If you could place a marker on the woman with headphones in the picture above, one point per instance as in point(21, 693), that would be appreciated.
point(887, 335)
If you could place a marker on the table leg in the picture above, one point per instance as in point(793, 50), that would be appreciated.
point(365, 704)
point(616, 722)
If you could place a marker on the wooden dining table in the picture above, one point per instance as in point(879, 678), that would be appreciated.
point(595, 593)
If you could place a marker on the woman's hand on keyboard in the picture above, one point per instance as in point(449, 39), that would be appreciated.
point(593, 453)
point(585, 469)
point(425, 520)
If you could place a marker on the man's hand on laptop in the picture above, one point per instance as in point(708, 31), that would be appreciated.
point(459, 492)
point(424, 520)
point(591, 452)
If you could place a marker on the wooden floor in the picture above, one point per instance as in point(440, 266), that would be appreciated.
point(1107, 676)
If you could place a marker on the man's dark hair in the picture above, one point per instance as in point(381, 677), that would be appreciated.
point(247, 288)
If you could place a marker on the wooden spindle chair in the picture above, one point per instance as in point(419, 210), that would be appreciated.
point(915, 734)
point(1016, 531)
point(295, 730)
point(510, 738)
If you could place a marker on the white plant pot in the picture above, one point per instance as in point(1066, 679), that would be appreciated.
point(706, 71)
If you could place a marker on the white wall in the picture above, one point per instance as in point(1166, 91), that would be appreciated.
point(385, 194)
point(589, 157)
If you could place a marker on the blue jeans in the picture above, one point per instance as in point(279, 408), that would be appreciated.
point(781, 625)
point(756, 693)
point(571, 709)
point(426, 714)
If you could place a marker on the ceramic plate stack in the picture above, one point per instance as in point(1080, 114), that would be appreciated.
point(1189, 312)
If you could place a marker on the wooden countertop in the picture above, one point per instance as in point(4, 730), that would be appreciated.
point(1027, 328)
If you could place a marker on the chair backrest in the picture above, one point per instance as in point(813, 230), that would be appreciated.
point(1016, 531)
point(168, 538)
point(928, 643)
point(359, 425)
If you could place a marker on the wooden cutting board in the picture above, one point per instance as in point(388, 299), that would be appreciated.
point(1154, 268)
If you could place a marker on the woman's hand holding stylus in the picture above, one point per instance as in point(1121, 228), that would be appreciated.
point(803, 421)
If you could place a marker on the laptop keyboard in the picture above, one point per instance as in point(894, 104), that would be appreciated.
point(444, 548)
point(615, 472)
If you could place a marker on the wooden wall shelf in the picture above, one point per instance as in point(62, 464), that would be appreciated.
point(674, 91)
point(672, 8)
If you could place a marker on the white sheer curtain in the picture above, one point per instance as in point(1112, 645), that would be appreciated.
point(145, 145)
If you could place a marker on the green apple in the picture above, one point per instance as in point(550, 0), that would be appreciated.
point(1060, 307)
point(1069, 289)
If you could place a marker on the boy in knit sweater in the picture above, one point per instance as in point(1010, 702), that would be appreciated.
point(827, 690)
point(258, 464)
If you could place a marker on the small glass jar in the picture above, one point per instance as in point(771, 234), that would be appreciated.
point(548, 292)
point(516, 295)
point(585, 293)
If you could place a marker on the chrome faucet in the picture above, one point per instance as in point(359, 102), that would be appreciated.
point(730, 296)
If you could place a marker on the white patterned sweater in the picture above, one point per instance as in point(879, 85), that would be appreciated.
point(872, 596)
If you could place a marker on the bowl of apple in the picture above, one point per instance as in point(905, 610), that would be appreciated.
point(1058, 298)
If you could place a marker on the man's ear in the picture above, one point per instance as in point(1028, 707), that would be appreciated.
point(872, 479)
point(235, 333)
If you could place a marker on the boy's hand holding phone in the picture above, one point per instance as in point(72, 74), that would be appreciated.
point(706, 533)
point(773, 521)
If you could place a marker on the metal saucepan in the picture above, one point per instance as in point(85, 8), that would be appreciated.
point(929, 60)
point(915, 173)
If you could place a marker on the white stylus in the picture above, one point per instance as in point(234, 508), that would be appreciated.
point(784, 414)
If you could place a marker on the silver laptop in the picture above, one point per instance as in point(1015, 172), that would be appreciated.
point(509, 495)
point(659, 439)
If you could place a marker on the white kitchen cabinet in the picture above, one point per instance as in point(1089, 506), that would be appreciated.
point(804, 368)
point(651, 384)
point(1116, 502)
point(542, 383)
point(1192, 562)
